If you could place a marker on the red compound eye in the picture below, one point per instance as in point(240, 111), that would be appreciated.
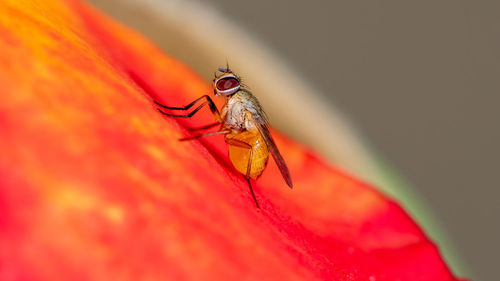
point(225, 84)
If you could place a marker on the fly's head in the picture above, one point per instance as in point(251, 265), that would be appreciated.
point(226, 83)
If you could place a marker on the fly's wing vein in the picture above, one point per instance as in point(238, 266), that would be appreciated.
point(266, 135)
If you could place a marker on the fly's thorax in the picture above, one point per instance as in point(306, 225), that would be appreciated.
point(242, 110)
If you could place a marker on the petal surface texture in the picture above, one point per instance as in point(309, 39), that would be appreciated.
point(94, 184)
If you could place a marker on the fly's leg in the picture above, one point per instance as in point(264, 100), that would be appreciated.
point(204, 127)
point(208, 101)
point(225, 132)
point(251, 191)
point(183, 115)
point(187, 107)
point(242, 144)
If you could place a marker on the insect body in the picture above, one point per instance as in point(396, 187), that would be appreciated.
point(240, 154)
point(244, 124)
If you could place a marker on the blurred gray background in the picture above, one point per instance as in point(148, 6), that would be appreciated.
point(420, 81)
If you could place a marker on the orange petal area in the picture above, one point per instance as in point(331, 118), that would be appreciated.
point(95, 186)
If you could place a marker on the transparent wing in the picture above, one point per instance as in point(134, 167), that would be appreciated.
point(266, 135)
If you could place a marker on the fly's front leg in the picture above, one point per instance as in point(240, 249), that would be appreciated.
point(183, 115)
point(208, 101)
point(242, 144)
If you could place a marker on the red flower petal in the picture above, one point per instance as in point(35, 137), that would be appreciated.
point(95, 185)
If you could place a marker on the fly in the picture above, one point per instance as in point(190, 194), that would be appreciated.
point(243, 123)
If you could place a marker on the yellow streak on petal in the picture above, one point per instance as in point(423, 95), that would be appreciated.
point(155, 152)
point(71, 198)
point(114, 213)
point(139, 125)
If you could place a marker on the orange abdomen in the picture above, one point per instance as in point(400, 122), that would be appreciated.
point(240, 155)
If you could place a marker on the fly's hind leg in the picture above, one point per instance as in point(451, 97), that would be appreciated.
point(242, 144)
